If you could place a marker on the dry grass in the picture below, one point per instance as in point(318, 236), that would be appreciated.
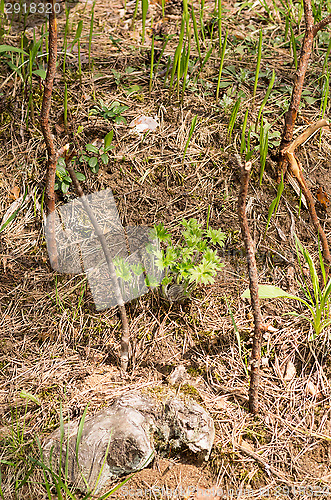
point(55, 346)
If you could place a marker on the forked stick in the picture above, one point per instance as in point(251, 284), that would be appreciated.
point(290, 116)
point(296, 170)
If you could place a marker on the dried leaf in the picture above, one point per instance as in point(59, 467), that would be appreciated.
point(219, 403)
point(290, 371)
point(323, 198)
point(14, 193)
point(144, 123)
point(247, 446)
point(311, 389)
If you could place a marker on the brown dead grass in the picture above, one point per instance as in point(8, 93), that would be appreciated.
point(55, 346)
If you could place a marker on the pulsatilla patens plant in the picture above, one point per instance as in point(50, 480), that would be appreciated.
point(191, 261)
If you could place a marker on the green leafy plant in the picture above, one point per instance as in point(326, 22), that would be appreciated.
point(192, 260)
point(112, 113)
point(258, 63)
point(193, 124)
point(233, 118)
point(95, 155)
point(264, 142)
point(316, 299)
point(62, 177)
point(275, 203)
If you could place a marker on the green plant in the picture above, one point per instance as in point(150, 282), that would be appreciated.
point(294, 48)
point(223, 48)
point(266, 97)
point(56, 482)
point(94, 155)
point(152, 66)
point(243, 131)
point(258, 63)
point(264, 137)
point(317, 300)
point(144, 8)
point(193, 124)
point(191, 260)
point(233, 118)
point(112, 113)
point(13, 215)
point(91, 34)
point(62, 177)
point(275, 203)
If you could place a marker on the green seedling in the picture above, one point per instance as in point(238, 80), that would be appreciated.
point(167, 38)
point(258, 63)
point(65, 106)
point(65, 40)
point(193, 124)
point(95, 156)
point(275, 203)
point(91, 34)
point(192, 260)
point(223, 49)
point(294, 48)
point(186, 60)
point(56, 482)
point(317, 300)
point(13, 215)
point(202, 6)
point(264, 143)
point(135, 13)
point(151, 70)
point(243, 132)
point(196, 34)
point(233, 118)
point(177, 56)
point(113, 113)
point(144, 7)
point(62, 177)
point(266, 97)
point(219, 22)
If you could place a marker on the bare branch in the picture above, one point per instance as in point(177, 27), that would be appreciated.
point(44, 123)
point(253, 287)
point(319, 26)
point(119, 299)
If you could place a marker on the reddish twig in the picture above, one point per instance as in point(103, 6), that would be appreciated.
point(296, 171)
point(253, 287)
point(290, 116)
point(125, 339)
point(44, 123)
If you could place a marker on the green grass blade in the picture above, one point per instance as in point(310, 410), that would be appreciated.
point(243, 132)
point(13, 215)
point(221, 65)
point(266, 97)
point(258, 63)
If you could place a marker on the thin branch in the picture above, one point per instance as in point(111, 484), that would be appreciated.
point(44, 123)
point(296, 170)
point(291, 115)
point(253, 287)
point(124, 356)
point(319, 26)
